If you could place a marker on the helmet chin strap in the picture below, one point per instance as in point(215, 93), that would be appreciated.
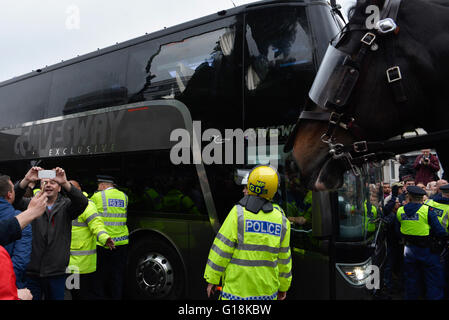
point(255, 204)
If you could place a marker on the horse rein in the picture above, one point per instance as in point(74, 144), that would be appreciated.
point(335, 114)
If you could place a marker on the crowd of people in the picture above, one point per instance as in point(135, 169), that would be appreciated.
point(417, 266)
point(54, 231)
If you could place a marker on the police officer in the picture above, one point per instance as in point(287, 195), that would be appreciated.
point(86, 230)
point(417, 223)
point(440, 205)
point(112, 205)
point(370, 216)
point(251, 252)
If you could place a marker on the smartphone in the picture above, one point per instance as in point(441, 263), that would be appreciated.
point(46, 174)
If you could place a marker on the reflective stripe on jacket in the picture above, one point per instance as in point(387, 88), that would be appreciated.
point(251, 253)
point(112, 205)
point(87, 229)
point(441, 210)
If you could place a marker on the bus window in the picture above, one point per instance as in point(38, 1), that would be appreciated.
point(149, 179)
point(157, 185)
point(95, 83)
point(169, 70)
point(16, 103)
point(294, 198)
point(226, 192)
point(359, 205)
point(297, 200)
point(201, 70)
point(279, 64)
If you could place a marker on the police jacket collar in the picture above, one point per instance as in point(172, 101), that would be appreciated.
point(411, 208)
point(440, 199)
point(255, 204)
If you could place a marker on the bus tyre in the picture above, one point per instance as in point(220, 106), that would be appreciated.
point(155, 271)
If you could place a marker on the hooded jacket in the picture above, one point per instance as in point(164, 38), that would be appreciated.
point(52, 232)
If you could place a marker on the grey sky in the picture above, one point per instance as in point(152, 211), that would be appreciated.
point(38, 33)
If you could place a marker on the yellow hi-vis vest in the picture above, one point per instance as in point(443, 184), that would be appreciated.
point(415, 225)
point(87, 229)
point(112, 206)
point(370, 217)
point(441, 210)
point(251, 253)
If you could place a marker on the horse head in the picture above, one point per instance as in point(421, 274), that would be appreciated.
point(377, 80)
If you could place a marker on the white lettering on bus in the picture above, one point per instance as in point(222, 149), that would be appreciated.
point(212, 153)
point(82, 135)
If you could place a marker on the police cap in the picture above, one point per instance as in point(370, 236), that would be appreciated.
point(445, 188)
point(416, 191)
point(105, 178)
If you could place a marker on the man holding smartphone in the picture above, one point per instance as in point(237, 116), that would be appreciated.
point(51, 232)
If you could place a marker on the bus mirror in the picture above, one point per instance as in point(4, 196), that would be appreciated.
point(321, 214)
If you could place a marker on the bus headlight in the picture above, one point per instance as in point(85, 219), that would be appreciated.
point(355, 274)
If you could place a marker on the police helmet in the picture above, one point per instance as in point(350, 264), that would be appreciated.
point(263, 181)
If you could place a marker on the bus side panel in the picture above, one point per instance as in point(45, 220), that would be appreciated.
point(310, 276)
point(190, 239)
point(201, 236)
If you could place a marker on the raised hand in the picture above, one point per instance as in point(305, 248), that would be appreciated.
point(31, 176)
point(38, 203)
point(61, 178)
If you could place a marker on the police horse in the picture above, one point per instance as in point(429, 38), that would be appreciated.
point(377, 80)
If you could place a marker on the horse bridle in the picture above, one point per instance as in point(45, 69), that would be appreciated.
point(334, 100)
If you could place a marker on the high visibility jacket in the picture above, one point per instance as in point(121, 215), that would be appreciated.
point(251, 254)
point(176, 201)
point(152, 199)
point(293, 209)
point(112, 206)
point(87, 229)
point(370, 216)
point(415, 225)
point(441, 210)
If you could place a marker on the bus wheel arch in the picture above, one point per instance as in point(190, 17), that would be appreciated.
point(155, 268)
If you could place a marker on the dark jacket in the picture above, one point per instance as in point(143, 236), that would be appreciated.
point(52, 232)
point(19, 250)
point(9, 231)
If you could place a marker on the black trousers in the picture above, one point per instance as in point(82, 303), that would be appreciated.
point(86, 290)
point(111, 268)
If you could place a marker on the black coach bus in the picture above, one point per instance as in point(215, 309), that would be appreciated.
point(122, 111)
